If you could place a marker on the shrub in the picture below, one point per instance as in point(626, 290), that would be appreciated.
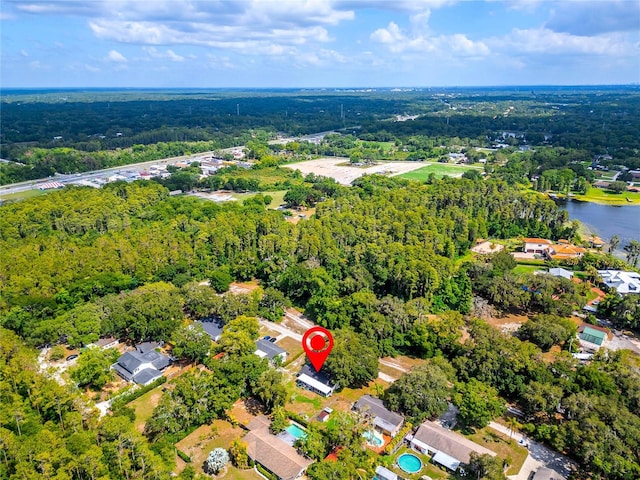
point(183, 456)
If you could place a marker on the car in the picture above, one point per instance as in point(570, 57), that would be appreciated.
point(266, 337)
point(73, 356)
point(273, 339)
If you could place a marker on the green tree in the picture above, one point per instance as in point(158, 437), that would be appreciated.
point(191, 342)
point(614, 242)
point(422, 392)
point(279, 420)
point(353, 362)
point(236, 343)
point(486, 467)
point(478, 403)
point(547, 330)
point(271, 389)
point(93, 367)
point(248, 325)
point(220, 279)
point(633, 252)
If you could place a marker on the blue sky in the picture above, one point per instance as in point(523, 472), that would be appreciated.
point(318, 43)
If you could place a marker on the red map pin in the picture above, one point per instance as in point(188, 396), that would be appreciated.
point(317, 343)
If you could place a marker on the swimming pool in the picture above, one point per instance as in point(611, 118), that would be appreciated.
point(296, 431)
point(409, 463)
point(373, 438)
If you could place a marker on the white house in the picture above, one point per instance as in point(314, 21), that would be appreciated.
point(621, 281)
point(448, 448)
point(536, 245)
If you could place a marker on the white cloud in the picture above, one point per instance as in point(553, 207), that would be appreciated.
point(455, 45)
point(91, 68)
point(115, 56)
point(24, 53)
point(168, 54)
point(548, 42)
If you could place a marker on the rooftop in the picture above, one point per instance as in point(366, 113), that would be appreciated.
point(374, 406)
point(212, 326)
point(448, 442)
point(275, 455)
point(268, 349)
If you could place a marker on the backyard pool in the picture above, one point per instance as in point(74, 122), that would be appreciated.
point(373, 438)
point(296, 431)
point(409, 463)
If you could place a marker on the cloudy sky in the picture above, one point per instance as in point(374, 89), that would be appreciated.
point(318, 43)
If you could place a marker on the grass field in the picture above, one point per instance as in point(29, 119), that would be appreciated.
point(521, 269)
point(503, 446)
point(598, 195)
point(22, 195)
point(144, 406)
point(439, 169)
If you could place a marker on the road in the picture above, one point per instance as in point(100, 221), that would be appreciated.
point(539, 455)
point(88, 176)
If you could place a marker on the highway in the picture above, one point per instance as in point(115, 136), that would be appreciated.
point(131, 168)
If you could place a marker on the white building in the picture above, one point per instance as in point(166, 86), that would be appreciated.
point(621, 281)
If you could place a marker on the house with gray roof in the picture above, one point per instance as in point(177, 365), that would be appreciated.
point(621, 281)
point(317, 382)
point(266, 349)
point(545, 473)
point(141, 368)
point(388, 422)
point(212, 326)
point(448, 448)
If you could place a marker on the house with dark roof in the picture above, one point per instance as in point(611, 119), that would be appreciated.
point(449, 449)
point(266, 349)
point(212, 326)
point(317, 382)
point(384, 420)
point(545, 473)
point(146, 347)
point(275, 455)
point(141, 368)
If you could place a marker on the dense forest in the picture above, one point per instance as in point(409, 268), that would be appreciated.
point(374, 264)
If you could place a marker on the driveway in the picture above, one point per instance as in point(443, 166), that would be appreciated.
point(539, 455)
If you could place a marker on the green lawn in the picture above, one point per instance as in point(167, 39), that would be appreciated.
point(439, 169)
point(599, 195)
point(522, 269)
point(144, 406)
point(505, 448)
point(34, 192)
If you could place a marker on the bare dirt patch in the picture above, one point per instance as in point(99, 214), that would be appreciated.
point(339, 168)
point(243, 287)
point(486, 248)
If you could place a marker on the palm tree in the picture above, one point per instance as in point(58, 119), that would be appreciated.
point(614, 242)
point(633, 252)
point(513, 424)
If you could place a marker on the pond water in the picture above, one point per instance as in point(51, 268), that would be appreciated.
point(607, 220)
